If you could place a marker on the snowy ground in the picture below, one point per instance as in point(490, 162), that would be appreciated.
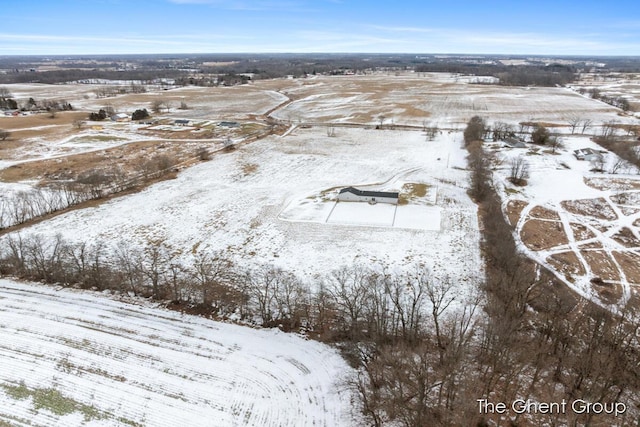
point(578, 223)
point(237, 201)
point(75, 358)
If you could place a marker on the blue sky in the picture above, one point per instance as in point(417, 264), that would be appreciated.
point(66, 27)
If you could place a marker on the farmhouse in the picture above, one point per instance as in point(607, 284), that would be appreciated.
point(587, 154)
point(351, 194)
point(182, 122)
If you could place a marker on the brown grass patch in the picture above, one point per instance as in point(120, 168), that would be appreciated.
point(595, 208)
point(16, 124)
point(248, 168)
point(601, 265)
point(568, 264)
point(608, 292)
point(538, 235)
point(630, 265)
point(127, 157)
point(618, 184)
point(540, 212)
point(628, 211)
point(626, 238)
point(412, 191)
point(514, 210)
point(591, 245)
point(581, 232)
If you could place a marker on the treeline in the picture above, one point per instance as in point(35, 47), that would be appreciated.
point(71, 75)
point(24, 206)
point(626, 149)
point(350, 304)
point(616, 101)
point(520, 75)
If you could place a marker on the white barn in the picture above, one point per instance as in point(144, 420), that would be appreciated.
point(351, 194)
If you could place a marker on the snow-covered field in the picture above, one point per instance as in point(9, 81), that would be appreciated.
point(442, 99)
point(240, 203)
point(71, 358)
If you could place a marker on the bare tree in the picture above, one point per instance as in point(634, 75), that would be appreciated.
point(431, 131)
point(211, 272)
point(331, 130)
point(519, 170)
point(348, 287)
point(475, 130)
point(586, 123)
point(540, 135)
point(156, 256)
point(574, 121)
point(608, 130)
point(502, 130)
point(555, 143)
point(157, 105)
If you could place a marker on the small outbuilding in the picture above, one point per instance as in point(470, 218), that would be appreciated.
point(588, 154)
point(120, 117)
point(182, 122)
point(351, 194)
point(514, 143)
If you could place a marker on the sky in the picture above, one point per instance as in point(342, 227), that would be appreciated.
point(541, 27)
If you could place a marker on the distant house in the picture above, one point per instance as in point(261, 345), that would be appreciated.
point(120, 117)
point(588, 154)
point(351, 194)
point(182, 122)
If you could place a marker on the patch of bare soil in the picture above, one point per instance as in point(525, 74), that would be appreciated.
point(607, 291)
point(540, 212)
point(538, 235)
point(581, 232)
point(627, 198)
point(630, 265)
point(595, 208)
point(626, 238)
point(591, 245)
point(634, 299)
point(628, 211)
point(514, 209)
point(412, 191)
point(618, 184)
point(568, 264)
point(601, 265)
point(637, 222)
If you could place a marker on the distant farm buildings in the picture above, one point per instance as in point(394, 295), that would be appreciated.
point(182, 122)
point(351, 194)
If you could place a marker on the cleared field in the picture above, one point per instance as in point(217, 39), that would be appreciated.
point(444, 99)
point(235, 203)
point(76, 358)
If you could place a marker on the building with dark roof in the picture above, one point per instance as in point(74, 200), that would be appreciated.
point(351, 194)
